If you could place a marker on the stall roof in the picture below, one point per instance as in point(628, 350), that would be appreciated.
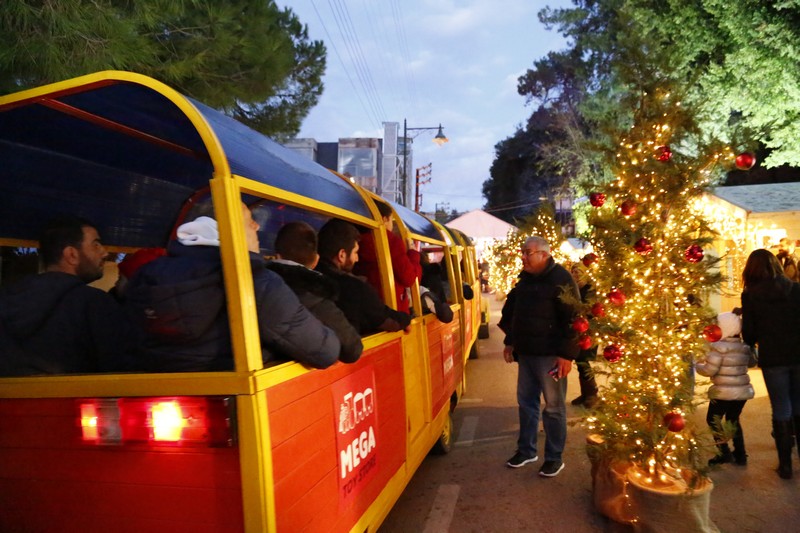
point(126, 151)
point(763, 198)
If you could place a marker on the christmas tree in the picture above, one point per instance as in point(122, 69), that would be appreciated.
point(652, 280)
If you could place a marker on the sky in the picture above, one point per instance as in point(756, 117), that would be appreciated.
point(429, 62)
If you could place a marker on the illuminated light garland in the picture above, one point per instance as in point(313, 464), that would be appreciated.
point(659, 319)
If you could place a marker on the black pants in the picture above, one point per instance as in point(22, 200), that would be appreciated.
point(730, 411)
point(585, 373)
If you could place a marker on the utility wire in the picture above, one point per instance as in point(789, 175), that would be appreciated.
point(380, 34)
point(355, 51)
point(404, 52)
point(346, 70)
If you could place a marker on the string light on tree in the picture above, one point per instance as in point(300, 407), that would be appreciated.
point(648, 272)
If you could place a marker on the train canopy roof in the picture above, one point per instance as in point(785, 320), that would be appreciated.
point(126, 152)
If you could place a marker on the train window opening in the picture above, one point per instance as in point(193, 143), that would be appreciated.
point(17, 263)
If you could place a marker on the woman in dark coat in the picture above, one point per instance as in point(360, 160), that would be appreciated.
point(771, 319)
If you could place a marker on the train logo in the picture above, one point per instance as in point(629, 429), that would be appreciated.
point(354, 401)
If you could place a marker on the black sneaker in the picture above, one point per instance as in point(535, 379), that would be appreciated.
point(520, 460)
point(578, 401)
point(551, 468)
point(590, 401)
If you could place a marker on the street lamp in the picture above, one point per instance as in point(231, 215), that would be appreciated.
point(439, 139)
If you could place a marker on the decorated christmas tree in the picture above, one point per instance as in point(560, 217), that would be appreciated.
point(650, 316)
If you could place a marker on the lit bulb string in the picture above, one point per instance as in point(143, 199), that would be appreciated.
point(657, 325)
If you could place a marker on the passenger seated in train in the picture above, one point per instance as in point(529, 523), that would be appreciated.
point(338, 250)
point(405, 261)
point(432, 304)
point(53, 322)
point(296, 248)
point(129, 266)
point(179, 300)
point(434, 277)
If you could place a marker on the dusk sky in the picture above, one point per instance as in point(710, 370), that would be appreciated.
point(429, 62)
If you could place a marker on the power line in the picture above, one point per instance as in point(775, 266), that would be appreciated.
point(350, 38)
point(346, 70)
point(377, 25)
point(404, 52)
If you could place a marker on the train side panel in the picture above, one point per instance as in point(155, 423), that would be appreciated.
point(52, 481)
point(338, 437)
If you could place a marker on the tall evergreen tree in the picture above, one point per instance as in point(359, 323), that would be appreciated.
point(650, 315)
point(248, 58)
point(737, 61)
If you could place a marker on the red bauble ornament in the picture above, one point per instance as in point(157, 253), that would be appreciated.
point(694, 253)
point(628, 208)
point(597, 199)
point(643, 246)
point(745, 161)
point(712, 333)
point(598, 310)
point(612, 353)
point(616, 297)
point(663, 153)
point(580, 324)
point(674, 421)
point(585, 342)
point(588, 259)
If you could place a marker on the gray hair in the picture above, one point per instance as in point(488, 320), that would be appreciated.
point(539, 243)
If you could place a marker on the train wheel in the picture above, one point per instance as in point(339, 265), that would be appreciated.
point(473, 352)
point(445, 441)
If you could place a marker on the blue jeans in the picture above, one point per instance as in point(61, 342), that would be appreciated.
point(783, 386)
point(533, 381)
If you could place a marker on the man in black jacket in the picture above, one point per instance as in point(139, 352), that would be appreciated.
point(537, 322)
point(296, 246)
point(338, 250)
point(53, 322)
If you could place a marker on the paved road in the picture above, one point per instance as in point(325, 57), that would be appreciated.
point(470, 489)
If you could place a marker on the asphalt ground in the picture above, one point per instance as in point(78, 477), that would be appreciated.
point(471, 490)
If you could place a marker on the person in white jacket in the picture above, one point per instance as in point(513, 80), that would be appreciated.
point(726, 364)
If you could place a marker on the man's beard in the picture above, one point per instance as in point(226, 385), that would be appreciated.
point(87, 272)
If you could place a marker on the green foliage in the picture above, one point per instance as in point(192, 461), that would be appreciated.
point(658, 327)
point(249, 58)
point(522, 178)
point(736, 63)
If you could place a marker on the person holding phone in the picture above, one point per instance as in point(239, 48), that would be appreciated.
point(539, 337)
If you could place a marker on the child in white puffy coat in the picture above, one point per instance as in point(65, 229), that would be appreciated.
point(726, 364)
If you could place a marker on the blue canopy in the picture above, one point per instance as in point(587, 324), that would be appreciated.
point(121, 150)
point(416, 223)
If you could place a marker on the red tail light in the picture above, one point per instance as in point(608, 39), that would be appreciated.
point(176, 421)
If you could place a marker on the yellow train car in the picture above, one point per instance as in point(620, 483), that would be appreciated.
point(275, 447)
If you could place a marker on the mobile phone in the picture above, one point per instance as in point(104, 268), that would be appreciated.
point(554, 372)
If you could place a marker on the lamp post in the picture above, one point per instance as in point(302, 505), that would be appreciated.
point(439, 139)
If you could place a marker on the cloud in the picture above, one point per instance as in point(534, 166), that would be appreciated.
point(454, 62)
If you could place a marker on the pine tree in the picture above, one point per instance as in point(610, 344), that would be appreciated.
point(652, 279)
point(252, 60)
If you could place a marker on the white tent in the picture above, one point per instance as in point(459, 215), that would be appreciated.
point(482, 227)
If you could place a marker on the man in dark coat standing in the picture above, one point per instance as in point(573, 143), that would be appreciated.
point(537, 320)
point(296, 247)
point(53, 322)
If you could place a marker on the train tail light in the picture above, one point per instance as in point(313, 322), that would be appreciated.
point(176, 421)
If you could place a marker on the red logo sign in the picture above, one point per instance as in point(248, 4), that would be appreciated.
point(356, 426)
